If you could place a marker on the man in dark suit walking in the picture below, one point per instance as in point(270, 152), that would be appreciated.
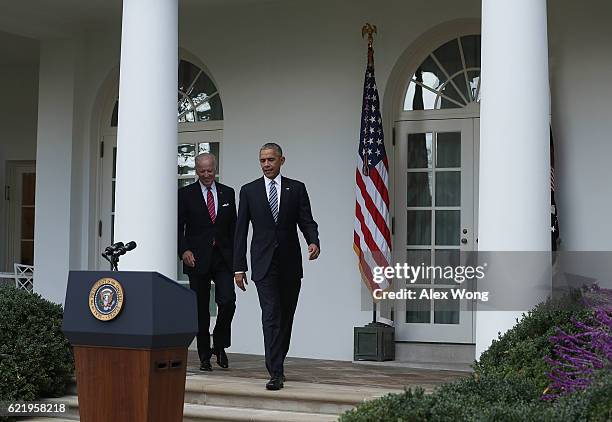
point(206, 226)
point(276, 206)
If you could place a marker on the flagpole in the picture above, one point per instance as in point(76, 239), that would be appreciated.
point(374, 341)
point(369, 30)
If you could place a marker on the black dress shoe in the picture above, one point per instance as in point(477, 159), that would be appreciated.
point(205, 365)
point(221, 358)
point(275, 383)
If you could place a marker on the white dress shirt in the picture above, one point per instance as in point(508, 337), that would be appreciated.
point(277, 180)
point(213, 188)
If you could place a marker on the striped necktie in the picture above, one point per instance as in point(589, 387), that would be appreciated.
point(273, 199)
point(210, 203)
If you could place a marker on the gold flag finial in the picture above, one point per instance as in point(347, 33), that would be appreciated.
point(369, 29)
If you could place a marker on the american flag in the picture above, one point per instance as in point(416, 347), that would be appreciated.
point(372, 236)
point(554, 222)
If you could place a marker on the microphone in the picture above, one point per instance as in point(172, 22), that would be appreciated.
point(110, 250)
point(121, 250)
point(114, 251)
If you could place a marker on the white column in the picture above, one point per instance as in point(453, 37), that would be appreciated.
point(54, 146)
point(514, 180)
point(146, 185)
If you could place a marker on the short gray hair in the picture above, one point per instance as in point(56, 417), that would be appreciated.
point(204, 156)
point(272, 145)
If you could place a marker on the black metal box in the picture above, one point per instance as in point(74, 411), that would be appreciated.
point(375, 341)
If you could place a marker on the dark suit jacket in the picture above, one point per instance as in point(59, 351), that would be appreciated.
point(196, 230)
point(294, 212)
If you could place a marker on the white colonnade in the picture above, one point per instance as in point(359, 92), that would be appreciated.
point(514, 180)
point(147, 135)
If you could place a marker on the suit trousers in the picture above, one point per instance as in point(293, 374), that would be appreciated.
point(278, 297)
point(225, 298)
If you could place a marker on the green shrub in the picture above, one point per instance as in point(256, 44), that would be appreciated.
point(488, 399)
point(508, 381)
point(521, 349)
point(35, 357)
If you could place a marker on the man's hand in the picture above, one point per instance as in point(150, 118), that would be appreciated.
point(241, 281)
point(188, 258)
point(313, 251)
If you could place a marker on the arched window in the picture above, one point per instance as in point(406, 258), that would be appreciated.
point(448, 78)
point(198, 97)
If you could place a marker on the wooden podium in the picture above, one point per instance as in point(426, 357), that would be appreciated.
point(130, 332)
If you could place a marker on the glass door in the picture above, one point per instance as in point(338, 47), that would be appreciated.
point(434, 213)
point(19, 193)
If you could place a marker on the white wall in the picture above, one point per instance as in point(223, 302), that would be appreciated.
point(18, 117)
point(580, 66)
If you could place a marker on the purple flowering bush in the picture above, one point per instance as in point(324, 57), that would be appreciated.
point(577, 357)
point(520, 351)
point(559, 351)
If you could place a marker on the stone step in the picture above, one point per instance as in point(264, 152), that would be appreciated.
point(296, 396)
point(72, 407)
point(227, 398)
point(199, 413)
point(45, 419)
point(207, 413)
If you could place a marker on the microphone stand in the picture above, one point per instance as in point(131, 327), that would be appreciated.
point(113, 261)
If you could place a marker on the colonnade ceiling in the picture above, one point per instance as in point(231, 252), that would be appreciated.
point(62, 18)
point(17, 50)
point(57, 18)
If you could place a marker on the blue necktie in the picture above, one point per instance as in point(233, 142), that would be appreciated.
point(273, 199)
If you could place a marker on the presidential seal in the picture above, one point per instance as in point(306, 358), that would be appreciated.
point(106, 299)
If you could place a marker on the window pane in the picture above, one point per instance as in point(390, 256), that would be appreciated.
point(198, 98)
point(459, 80)
point(185, 182)
point(185, 109)
point(449, 57)
point(474, 79)
point(419, 189)
point(186, 159)
point(418, 310)
point(416, 258)
point(448, 151)
point(204, 89)
point(418, 98)
point(448, 188)
point(419, 227)
point(420, 150)
point(446, 258)
point(210, 147)
point(433, 76)
point(446, 311)
point(471, 50)
point(450, 92)
point(187, 72)
point(447, 227)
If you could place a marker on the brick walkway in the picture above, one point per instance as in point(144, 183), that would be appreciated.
point(329, 372)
